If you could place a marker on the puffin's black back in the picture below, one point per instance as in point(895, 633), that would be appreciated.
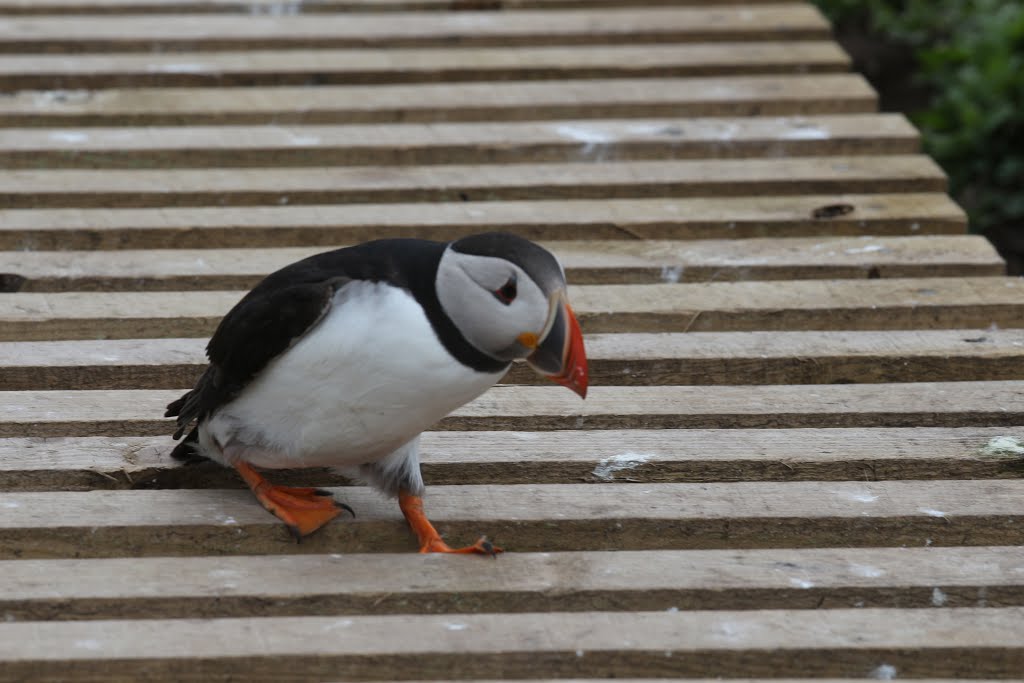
point(289, 302)
point(406, 263)
point(410, 264)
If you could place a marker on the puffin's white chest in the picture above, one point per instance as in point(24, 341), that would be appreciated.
point(370, 377)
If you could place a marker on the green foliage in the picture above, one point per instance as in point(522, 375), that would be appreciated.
point(971, 55)
point(846, 12)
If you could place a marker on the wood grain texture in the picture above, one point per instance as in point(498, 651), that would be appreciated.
point(626, 359)
point(835, 643)
point(552, 517)
point(609, 219)
point(559, 457)
point(453, 182)
point(179, 32)
point(171, 588)
point(924, 404)
point(54, 75)
point(873, 304)
point(801, 454)
point(274, 7)
point(586, 262)
point(456, 143)
point(911, 303)
point(494, 101)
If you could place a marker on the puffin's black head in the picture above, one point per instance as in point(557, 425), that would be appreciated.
point(507, 296)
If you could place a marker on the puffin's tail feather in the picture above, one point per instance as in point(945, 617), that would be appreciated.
point(186, 449)
point(174, 407)
point(180, 410)
point(195, 404)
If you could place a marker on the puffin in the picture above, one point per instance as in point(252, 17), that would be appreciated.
point(343, 359)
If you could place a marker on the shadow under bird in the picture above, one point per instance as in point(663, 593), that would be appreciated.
point(342, 359)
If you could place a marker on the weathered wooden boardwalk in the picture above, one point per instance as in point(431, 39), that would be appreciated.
point(803, 451)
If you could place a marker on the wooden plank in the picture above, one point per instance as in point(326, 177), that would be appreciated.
point(458, 143)
point(180, 32)
point(559, 457)
point(66, 188)
point(921, 404)
point(913, 303)
point(553, 517)
point(283, 7)
point(165, 588)
point(430, 102)
point(49, 73)
point(820, 357)
point(872, 304)
point(276, 226)
point(701, 358)
point(916, 643)
point(980, 506)
point(590, 262)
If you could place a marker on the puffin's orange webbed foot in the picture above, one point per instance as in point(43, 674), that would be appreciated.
point(481, 547)
point(302, 509)
point(430, 540)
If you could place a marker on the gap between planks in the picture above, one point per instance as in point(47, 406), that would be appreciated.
point(872, 304)
point(559, 457)
point(872, 216)
point(526, 518)
point(84, 33)
point(920, 404)
point(590, 262)
point(627, 359)
point(494, 101)
point(627, 581)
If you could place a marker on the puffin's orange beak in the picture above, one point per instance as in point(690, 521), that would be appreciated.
point(560, 356)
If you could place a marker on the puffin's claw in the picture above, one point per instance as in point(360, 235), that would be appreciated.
point(488, 547)
point(343, 506)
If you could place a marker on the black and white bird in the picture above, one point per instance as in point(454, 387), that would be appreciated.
point(342, 359)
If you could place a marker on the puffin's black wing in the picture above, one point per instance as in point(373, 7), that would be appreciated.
point(287, 304)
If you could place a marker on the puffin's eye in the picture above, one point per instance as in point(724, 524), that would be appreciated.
point(507, 293)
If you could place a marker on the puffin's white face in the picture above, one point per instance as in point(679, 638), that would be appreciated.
point(506, 295)
point(496, 305)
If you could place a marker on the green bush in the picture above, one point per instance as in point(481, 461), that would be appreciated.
point(971, 55)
